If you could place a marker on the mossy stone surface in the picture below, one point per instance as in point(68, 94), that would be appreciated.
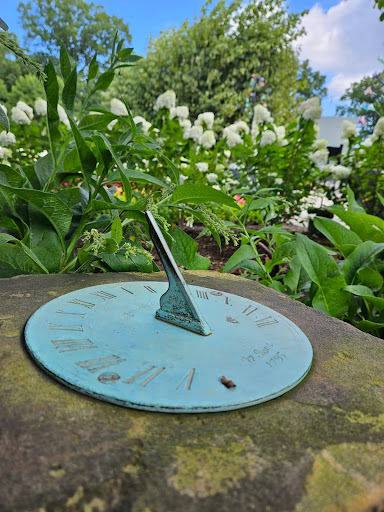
point(319, 448)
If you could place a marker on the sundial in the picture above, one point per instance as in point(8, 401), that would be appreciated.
point(168, 346)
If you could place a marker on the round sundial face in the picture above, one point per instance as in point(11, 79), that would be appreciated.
point(105, 341)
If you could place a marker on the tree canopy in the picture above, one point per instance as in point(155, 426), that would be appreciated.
point(84, 28)
point(209, 64)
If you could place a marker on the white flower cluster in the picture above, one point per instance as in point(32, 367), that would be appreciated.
point(5, 153)
point(379, 128)
point(7, 139)
point(211, 177)
point(181, 112)
point(280, 134)
point(63, 116)
point(310, 109)
point(232, 133)
point(185, 123)
point(338, 172)
point(144, 123)
point(22, 113)
point(208, 139)
point(117, 107)
point(261, 115)
point(320, 157)
point(348, 129)
point(202, 166)
point(206, 118)
point(194, 133)
point(165, 100)
point(320, 144)
point(267, 137)
point(40, 107)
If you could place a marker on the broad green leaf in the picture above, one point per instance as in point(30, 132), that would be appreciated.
point(44, 241)
point(184, 250)
point(123, 54)
point(87, 159)
point(243, 253)
point(70, 196)
point(369, 326)
point(23, 262)
point(69, 91)
point(44, 169)
point(360, 258)
point(65, 62)
point(324, 272)
point(140, 177)
point(295, 276)
point(117, 230)
point(51, 87)
point(104, 81)
point(118, 205)
point(96, 121)
point(192, 193)
point(359, 289)
point(93, 69)
point(10, 176)
point(341, 237)
point(56, 211)
point(353, 205)
point(119, 262)
point(371, 278)
point(252, 266)
point(14, 261)
point(381, 198)
point(367, 227)
point(71, 161)
point(4, 119)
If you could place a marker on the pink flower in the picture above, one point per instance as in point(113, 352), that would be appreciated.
point(239, 200)
point(362, 120)
point(369, 91)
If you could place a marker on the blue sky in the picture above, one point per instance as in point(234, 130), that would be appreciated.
point(344, 37)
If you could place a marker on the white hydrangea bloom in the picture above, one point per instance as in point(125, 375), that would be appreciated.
point(40, 107)
point(320, 144)
point(25, 108)
point(185, 123)
point(261, 115)
point(181, 112)
point(19, 116)
point(194, 133)
point(241, 126)
point(165, 100)
point(63, 116)
point(339, 172)
point(5, 153)
point(216, 187)
point(348, 129)
point(227, 153)
point(310, 109)
point(4, 108)
point(255, 131)
point(118, 108)
point(233, 139)
point(280, 132)
point(211, 177)
point(368, 142)
point(144, 123)
point(182, 178)
point(207, 118)
point(267, 137)
point(320, 157)
point(379, 128)
point(208, 139)
point(278, 181)
point(184, 166)
point(6, 139)
point(202, 166)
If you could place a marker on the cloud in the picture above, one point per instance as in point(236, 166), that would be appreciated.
point(343, 42)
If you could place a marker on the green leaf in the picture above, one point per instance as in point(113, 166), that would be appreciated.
point(71, 161)
point(381, 198)
point(87, 159)
point(353, 205)
point(118, 262)
point(44, 241)
point(65, 62)
point(21, 262)
point(369, 326)
point(358, 289)
point(11, 176)
point(44, 168)
point(324, 272)
point(56, 211)
point(360, 258)
point(140, 177)
point(184, 250)
point(69, 91)
point(96, 121)
point(117, 230)
point(367, 227)
point(192, 193)
point(341, 237)
point(51, 87)
point(93, 69)
point(4, 119)
point(123, 54)
point(243, 253)
point(104, 81)
point(371, 278)
point(118, 205)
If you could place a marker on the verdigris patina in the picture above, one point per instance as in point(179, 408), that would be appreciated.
point(319, 448)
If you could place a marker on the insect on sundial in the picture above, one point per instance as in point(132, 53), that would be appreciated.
point(168, 347)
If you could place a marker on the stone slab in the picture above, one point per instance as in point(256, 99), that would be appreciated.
point(319, 448)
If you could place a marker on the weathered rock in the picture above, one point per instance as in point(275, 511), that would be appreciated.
point(319, 448)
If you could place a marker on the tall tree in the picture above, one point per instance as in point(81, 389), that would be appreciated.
point(366, 99)
point(84, 28)
point(309, 82)
point(209, 63)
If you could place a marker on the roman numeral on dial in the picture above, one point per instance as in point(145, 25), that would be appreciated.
point(94, 365)
point(150, 373)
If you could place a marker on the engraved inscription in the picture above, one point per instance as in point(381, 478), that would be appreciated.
point(145, 372)
point(103, 295)
point(60, 311)
point(217, 293)
point(202, 295)
point(260, 353)
point(274, 360)
point(128, 291)
point(150, 289)
point(189, 378)
point(227, 301)
point(94, 365)
point(268, 320)
point(231, 320)
point(248, 310)
point(108, 377)
point(80, 302)
point(72, 345)
point(56, 327)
